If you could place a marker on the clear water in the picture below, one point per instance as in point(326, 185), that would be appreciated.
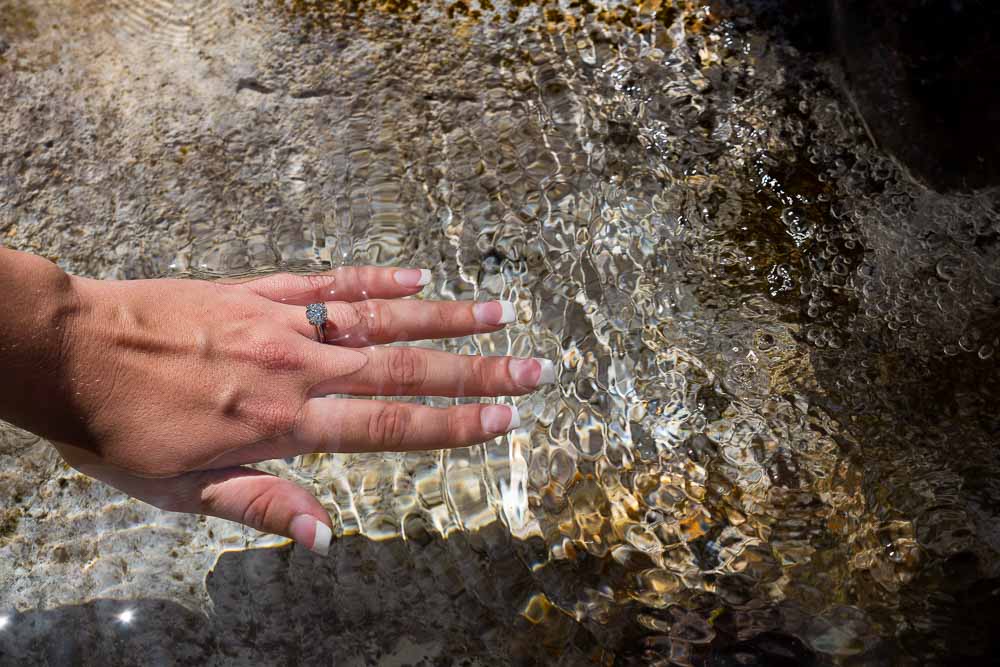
point(774, 427)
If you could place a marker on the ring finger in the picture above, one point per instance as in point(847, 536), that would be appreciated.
point(343, 425)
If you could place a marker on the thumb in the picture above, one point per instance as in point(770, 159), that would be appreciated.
point(264, 502)
point(244, 495)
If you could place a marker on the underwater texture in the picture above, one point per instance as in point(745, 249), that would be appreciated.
point(773, 438)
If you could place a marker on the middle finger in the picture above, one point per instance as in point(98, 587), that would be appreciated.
point(412, 371)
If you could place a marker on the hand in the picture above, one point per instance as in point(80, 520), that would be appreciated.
point(173, 385)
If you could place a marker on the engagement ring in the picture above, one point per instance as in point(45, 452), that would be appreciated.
point(316, 314)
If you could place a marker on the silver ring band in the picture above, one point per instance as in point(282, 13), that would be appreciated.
point(316, 314)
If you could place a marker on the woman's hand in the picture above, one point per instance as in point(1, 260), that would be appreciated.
point(171, 386)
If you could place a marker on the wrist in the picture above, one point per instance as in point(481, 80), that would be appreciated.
point(41, 304)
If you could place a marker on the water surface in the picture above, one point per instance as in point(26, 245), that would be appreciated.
point(773, 435)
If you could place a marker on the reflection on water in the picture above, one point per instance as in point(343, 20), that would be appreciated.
point(775, 413)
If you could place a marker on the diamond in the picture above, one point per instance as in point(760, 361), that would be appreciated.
point(316, 314)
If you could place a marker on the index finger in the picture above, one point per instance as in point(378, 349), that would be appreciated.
point(346, 283)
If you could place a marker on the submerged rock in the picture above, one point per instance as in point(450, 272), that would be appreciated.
point(773, 436)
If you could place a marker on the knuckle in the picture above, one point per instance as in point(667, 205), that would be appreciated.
point(343, 315)
point(273, 355)
point(363, 277)
point(318, 287)
point(230, 400)
point(455, 423)
point(265, 416)
point(273, 417)
point(481, 372)
point(448, 317)
point(245, 312)
point(375, 319)
point(406, 368)
point(387, 427)
point(261, 507)
point(346, 279)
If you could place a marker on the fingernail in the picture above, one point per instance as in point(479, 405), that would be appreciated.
point(548, 375)
point(499, 418)
point(532, 372)
point(494, 312)
point(412, 277)
point(303, 525)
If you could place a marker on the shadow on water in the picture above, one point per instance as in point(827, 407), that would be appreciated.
point(920, 427)
point(929, 450)
point(913, 68)
point(287, 606)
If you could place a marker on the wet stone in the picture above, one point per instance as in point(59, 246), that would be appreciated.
point(774, 433)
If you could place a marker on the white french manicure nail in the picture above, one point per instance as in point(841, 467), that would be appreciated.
point(410, 278)
point(499, 418)
point(322, 534)
point(548, 374)
point(321, 543)
point(507, 312)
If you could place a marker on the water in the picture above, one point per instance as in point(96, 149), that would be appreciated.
point(774, 428)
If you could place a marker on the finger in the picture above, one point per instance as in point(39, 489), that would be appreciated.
point(250, 497)
point(412, 371)
point(377, 321)
point(347, 283)
point(266, 503)
point(355, 425)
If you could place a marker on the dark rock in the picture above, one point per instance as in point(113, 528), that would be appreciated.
point(925, 74)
